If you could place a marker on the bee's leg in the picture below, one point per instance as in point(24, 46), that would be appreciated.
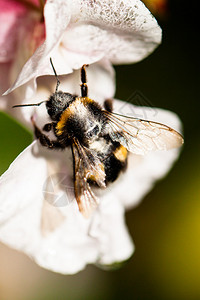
point(108, 105)
point(44, 140)
point(84, 87)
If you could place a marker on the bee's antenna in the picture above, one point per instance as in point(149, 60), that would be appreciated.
point(22, 105)
point(58, 81)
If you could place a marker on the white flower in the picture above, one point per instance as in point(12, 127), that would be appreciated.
point(38, 212)
point(39, 215)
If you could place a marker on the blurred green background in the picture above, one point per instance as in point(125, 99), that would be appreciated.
point(165, 227)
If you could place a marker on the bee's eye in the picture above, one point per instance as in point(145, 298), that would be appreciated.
point(94, 131)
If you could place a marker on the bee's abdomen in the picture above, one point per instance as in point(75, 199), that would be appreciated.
point(115, 163)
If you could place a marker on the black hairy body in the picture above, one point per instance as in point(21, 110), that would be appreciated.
point(83, 119)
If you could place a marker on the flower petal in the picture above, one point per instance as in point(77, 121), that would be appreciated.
point(57, 17)
point(115, 245)
point(123, 31)
point(21, 198)
point(84, 32)
point(18, 182)
point(54, 232)
point(13, 16)
point(51, 231)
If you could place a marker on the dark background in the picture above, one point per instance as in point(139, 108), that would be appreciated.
point(165, 227)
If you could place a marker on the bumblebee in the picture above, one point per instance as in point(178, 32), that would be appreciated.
point(100, 140)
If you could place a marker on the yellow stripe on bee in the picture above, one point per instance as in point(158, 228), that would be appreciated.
point(73, 107)
point(121, 153)
point(63, 119)
point(86, 100)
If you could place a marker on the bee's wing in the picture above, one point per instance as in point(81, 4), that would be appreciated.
point(141, 137)
point(86, 166)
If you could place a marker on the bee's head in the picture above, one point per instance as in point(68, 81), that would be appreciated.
point(57, 103)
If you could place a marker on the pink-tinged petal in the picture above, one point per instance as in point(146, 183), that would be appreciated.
point(20, 34)
point(11, 17)
point(57, 18)
point(17, 20)
point(4, 79)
